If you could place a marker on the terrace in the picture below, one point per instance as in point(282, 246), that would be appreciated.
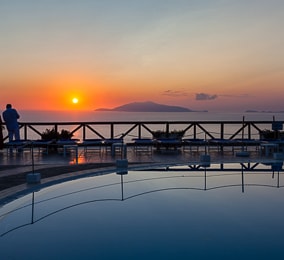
point(95, 141)
point(223, 211)
point(174, 134)
point(102, 143)
point(86, 194)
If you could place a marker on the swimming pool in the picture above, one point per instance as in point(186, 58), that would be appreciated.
point(181, 212)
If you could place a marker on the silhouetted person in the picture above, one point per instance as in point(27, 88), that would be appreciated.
point(1, 134)
point(11, 116)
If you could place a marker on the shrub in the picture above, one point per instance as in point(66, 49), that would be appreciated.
point(65, 134)
point(51, 134)
point(271, 135)
point(175, 134)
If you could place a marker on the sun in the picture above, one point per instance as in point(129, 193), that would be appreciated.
point(75, 100)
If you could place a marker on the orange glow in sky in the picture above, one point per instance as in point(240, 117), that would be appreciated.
point(208, 55)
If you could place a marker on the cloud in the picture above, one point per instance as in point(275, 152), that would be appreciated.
point(204, 96)
point(175, 93)
point(237, 96)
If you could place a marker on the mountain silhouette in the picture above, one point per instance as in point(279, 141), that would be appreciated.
point(147, 106)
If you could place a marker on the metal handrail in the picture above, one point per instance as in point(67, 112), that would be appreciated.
point(139, 129)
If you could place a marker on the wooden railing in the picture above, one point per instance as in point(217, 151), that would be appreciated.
point(129, 130)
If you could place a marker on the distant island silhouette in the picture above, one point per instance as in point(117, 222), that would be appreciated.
point(148, 106)
point(263, 111)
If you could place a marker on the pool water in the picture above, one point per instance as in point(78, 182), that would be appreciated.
point(152, 214)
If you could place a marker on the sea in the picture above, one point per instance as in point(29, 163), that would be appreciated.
point(29, 116)
point(114, 116)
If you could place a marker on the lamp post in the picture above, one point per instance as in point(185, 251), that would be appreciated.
point(122, 169)
point(33, 177)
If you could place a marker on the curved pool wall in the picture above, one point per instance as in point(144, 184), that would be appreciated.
point(158, 214)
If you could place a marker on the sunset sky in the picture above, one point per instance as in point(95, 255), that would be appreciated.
point(201, 54)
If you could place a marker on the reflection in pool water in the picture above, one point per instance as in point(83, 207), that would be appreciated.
point(204, 213)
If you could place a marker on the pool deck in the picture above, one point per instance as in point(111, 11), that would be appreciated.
point(83, 162)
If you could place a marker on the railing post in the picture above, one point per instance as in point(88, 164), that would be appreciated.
point(249, 131)
point(222, 135)
point(167, 128)
point(56, 128)
point(25, 132)
point(139, 131)
point(222, 131)
point(111, 130)
point(84, 131)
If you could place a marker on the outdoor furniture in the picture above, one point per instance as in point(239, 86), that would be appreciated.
point(17, 145)
point(268, 148)
point(245, 143)
point(68, 145)
point(110, 141)
point(122, 148)
point(280, 145)
point(167, 144)
point(189, 144)
point(143, 145)
point(92, 144)
point(220, 143)
point(42, 144)
point(115, 144)
point(63, 142)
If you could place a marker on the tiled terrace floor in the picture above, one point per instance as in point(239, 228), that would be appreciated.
point(19, 160)
point(14, 162)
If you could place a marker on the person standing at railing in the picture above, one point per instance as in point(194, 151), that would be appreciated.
point(1, 134)
point(11, 116)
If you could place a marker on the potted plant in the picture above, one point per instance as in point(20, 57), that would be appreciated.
point(52, 134)
point(174, 134)
point(159, 134)
point(65, 135)
point(271, 135)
